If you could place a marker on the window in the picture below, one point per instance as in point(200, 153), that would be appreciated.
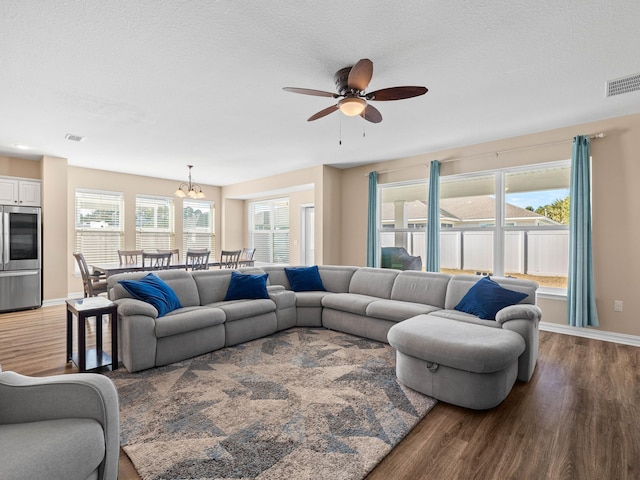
point(536, 240)
point(403, 217)
point(154, 223)
point(99, 225)
point(269, 230)
point(512, 222)
point(198, 220)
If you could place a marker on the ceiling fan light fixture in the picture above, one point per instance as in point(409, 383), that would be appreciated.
point(352, 106)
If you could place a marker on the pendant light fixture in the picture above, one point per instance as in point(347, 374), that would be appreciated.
point(190, 190)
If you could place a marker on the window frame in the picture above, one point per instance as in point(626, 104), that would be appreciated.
point(499, 227)
point(209, 234)
point(274, 230)
point(154, 238)
point(110, 248)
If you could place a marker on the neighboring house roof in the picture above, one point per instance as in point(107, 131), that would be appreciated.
point(463, 209)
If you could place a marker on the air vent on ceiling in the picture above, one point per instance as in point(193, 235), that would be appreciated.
point(75, 138)
point(627, 84)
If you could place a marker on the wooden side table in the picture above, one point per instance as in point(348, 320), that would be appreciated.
point(94, 358)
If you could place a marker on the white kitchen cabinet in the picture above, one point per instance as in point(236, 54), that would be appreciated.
point(19, 192)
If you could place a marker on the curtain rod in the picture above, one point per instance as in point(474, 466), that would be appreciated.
point(595, 136)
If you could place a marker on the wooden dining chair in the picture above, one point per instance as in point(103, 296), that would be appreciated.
point(175, 254)
point(247, 254)
point(93, 284)
point(129, 257)
point(197, 259)
point(156, 261)
point(229, 258)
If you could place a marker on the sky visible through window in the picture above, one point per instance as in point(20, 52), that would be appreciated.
point(536, 199)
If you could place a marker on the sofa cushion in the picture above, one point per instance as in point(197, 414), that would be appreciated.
point(310, 299)
point(151, 289)
point(421, 287)
point(486, 298)
point(396, 310)
point(304, 279)
point(464, 317)
point(460, 285)
point(240, 309)
point(348, 302)
point(188, 319)
point(69, 448)
point(472, 348)
point(180, 281)
point(277, 276)
point(336, 278)
point(375, 282)
point(244, 286)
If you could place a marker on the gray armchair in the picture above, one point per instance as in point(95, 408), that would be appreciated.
point(59, 427)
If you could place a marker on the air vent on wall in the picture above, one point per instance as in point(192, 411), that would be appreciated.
point(627, 84)
point(75, 138)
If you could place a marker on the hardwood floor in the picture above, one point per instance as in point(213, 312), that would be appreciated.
point(578, 417)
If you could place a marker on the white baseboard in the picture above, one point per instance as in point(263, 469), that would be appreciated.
point(60, 301)
point(622, 338)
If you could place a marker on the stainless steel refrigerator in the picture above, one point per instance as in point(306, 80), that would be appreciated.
point(20, 258)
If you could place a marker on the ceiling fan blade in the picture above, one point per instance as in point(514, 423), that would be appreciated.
point(372, 114)
point(396, 93)
point(323, 113)
point(360, 74)
point(309, 91)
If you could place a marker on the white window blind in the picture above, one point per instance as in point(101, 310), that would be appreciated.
point(269, 230)
point(99, 225)
point(154, 223)
point(198, 220)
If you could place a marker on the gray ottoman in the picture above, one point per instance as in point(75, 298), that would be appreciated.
point(461, 363)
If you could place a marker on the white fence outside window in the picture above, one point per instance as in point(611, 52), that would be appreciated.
point(540, 252)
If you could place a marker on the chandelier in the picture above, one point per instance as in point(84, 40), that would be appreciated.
point(190, 190)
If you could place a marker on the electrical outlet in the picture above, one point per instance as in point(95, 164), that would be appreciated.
point(617, 305)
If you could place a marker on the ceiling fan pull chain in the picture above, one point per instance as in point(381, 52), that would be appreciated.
point(340, 131)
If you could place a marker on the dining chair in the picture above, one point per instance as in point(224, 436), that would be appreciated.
point(229, 258)
point(156, 261)
point(197, 259)
point(129, 257)
point(93, 284)
point(247, 254)
point(175, 254)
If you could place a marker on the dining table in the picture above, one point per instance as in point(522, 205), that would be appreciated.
point(109, 269)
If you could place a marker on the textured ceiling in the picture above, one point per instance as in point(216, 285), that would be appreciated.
point(158, 84)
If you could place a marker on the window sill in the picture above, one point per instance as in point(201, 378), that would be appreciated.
point(550, 293)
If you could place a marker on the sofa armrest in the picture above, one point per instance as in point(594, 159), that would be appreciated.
point(76, 395)
point(132, 306)
point(523, 319)
point(519, 311)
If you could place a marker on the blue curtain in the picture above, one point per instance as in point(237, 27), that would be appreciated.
point(432, 263)
point(372, 224)
point(581, 299)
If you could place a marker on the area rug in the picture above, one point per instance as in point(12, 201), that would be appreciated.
point(301, 404)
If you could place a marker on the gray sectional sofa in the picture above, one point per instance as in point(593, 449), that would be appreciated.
point(361, 301)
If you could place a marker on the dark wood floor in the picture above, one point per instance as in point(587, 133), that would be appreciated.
point(578, 417)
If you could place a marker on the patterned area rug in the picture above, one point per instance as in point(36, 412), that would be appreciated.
point(301, 404)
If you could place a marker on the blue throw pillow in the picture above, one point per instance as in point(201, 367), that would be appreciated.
point(486, 298)
point(244, 286)
point(305, 279)
point(152, 289)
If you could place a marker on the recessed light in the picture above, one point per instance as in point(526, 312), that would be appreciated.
point(21, 147)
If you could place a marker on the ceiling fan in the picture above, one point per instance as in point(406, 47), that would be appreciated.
point(351, 83)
